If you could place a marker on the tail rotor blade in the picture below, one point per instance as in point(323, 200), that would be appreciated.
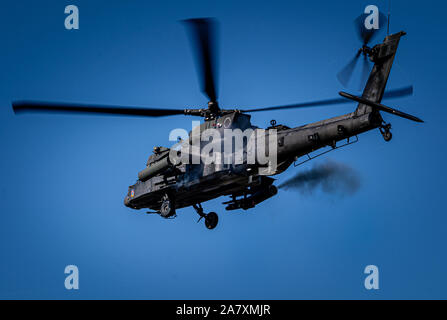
point(365, 73)
point(366, 35)
point(346, 73)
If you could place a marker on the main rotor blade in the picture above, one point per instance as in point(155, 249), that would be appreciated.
point(397, 93)
point(203, 35)
point(53, 107)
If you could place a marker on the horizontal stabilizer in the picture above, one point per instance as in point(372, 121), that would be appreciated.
point(379, 106)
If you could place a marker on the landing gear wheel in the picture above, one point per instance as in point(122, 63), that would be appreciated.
point(167, 208)
point(387, 136)
point(211, 220)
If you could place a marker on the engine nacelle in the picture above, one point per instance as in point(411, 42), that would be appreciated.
point(154, 169)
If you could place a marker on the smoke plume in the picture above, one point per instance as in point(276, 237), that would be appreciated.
point(331, 177)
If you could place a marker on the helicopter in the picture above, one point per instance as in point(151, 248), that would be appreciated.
point(166, 185)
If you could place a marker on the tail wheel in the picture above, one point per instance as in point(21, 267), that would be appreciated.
point(167, 208)
point(387, 136)
point(211, 220)
point(385, 131)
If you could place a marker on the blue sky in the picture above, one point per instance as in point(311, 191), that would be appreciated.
point(64, 177)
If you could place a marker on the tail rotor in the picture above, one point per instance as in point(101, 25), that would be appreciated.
point(365, 36)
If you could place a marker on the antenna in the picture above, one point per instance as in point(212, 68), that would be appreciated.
point(389, 15)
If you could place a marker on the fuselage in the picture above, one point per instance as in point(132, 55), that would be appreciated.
point(200, 182)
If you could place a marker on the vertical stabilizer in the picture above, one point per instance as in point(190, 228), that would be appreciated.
point(383, 57)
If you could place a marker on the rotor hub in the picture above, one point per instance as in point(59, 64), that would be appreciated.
point(213, 108)
point(365, 50)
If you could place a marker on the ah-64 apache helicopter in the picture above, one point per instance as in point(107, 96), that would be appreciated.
point(164, 186)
